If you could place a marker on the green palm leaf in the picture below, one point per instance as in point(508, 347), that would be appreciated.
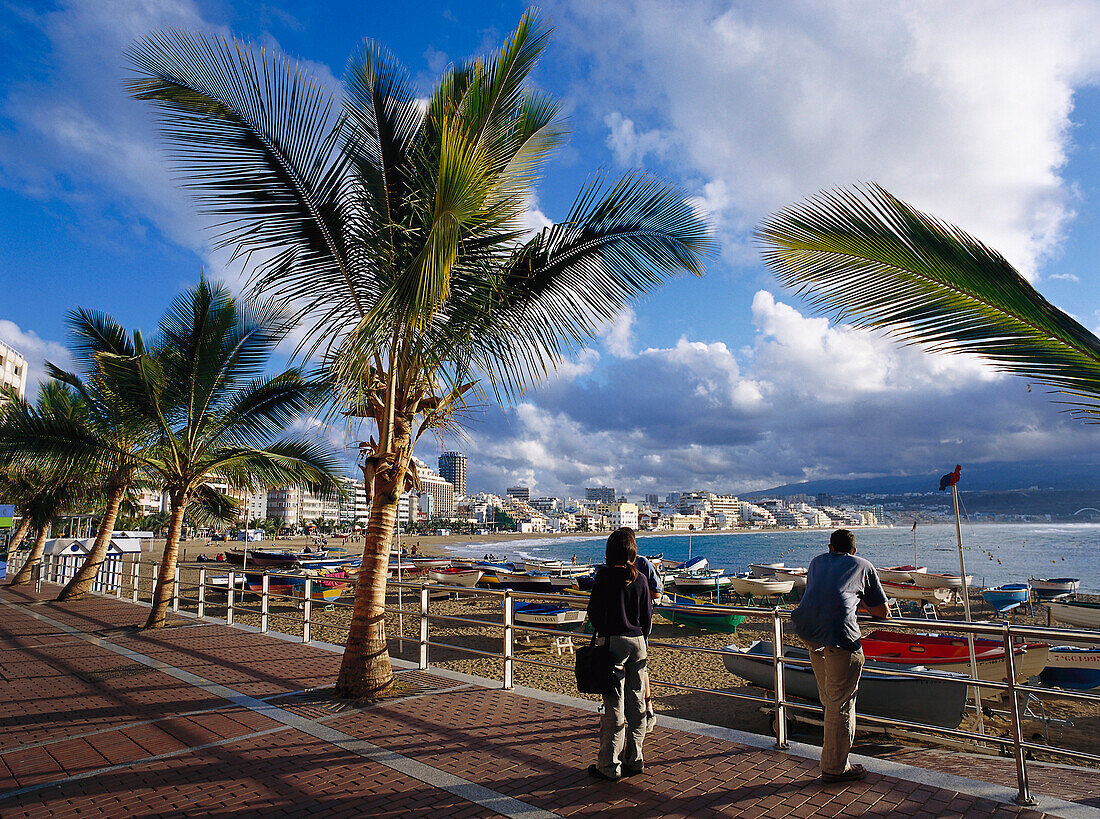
point(864, 256)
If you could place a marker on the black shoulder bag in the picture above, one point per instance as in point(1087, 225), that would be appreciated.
point(594, 669)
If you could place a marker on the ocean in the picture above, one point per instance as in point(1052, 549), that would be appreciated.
point(995, 553)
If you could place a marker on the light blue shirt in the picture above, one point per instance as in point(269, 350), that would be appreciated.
point(836, 584)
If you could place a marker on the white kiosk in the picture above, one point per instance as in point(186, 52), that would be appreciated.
point(72, 552)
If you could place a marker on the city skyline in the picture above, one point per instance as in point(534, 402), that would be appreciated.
point(725, 382)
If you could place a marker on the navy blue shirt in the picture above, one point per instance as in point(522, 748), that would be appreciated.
point(646, 567)
point(620, 605)
point(835, 586)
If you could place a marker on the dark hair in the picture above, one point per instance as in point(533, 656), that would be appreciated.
point(842, 540)
point(622, 550)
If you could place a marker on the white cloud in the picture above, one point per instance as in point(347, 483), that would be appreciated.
point(1068, 277)
point(37, 351)
point(964, 109)
point(618, 336)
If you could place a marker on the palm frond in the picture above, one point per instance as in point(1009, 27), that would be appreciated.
point(864, 256)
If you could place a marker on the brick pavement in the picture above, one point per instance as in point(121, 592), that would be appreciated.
point(90, 730)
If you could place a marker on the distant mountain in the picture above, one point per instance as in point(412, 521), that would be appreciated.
point(1004, 476)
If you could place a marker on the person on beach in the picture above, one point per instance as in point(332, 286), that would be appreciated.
point(621, 612)
point(837, 584)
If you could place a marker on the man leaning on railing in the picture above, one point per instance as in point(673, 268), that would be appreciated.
point(837, 584)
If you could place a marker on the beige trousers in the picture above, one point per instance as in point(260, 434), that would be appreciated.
point(622, 724)
point(837, 672)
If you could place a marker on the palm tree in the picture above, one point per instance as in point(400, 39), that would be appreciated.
point(43, 495)
point(394, 229)
point(865, 256)
point(202, 386)
point(105, 437)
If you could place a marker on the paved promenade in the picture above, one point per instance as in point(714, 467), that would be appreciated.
point(101, 719)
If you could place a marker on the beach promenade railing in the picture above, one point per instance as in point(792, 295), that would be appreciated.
point(220, 592)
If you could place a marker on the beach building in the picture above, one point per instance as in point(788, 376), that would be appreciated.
point(687, 523)
point(452, 468)
point(441, 492)
point(522, 493)
point(600, 494)
point(13, 372)
point(622, 514)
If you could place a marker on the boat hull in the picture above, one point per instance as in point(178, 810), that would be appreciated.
point(900, 574)
point(1003, 598)
point(687, 611)
point(467, 578)
point(1071, 613)
point(940, 702)
point(934, 580)
point(1073, 668)
point(761, 586)
point(1049, 588)
point(908, 591)
point(548, 616)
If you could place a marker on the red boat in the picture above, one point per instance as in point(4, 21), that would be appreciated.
point(947, 653)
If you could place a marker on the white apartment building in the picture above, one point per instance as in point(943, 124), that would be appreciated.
point(622, 514)
point(687, 523)
point(284, 503)
point(726, 509)
point(439, 493)
point(13, 371)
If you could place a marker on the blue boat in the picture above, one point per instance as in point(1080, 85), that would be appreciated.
point(1006, 597)
point(1072, 667)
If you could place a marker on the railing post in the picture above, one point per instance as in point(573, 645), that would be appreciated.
point(118, 577)
point(1024, 796)
point(135, 580)
point(509, 639)
point(37, 577)
point(153, 585)
point(202, 591)
point(264, 589)
point(780, 682)
point(176, 589)
point(307, 610)
point(229, 595)
point(423, 627)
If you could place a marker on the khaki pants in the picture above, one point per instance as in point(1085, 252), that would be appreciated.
point(837, 672)
point(622, 724)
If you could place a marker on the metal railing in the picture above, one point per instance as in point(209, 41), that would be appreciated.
point(218, 592)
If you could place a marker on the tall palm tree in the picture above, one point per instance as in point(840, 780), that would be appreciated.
point(45, 494)
point(394, 229)
point(105, 437)
point(863, 255)
point(202, 386)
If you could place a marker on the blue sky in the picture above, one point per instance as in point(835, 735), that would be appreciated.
point(986, 114)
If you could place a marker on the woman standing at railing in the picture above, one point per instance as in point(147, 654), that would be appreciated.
point(621, 613)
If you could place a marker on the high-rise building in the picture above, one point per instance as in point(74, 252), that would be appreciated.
point(13, 372)
point(653, 500)
point(452, 468)
point(600, 494)
point(522, 493)
point(440, 492)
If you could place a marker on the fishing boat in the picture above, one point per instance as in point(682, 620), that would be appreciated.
point(948, 653)
point(427, 563)
point(278, 585)
point(900, 574)
point(658, 561)
point(703, 581)
point(325, 588)
point(1007, 597)
point(764, 569)
point(910, 591)
point(548, 615)
point(265, 558)
point(455, 576)
point(524, 581)
point(543, 565)
point(1072, 667)
point(796, 576)
point(682, 610)
point(1075, 613)
point(749, 586)
point(1051, 588)
point(329, 562)
point(939, 701)
point(695, 564)
point(935, 580)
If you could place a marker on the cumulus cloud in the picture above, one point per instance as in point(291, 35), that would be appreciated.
point(962, 109)
point(805, 400)
point(37, 351)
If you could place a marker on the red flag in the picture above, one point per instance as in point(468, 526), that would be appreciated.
point(951, 478)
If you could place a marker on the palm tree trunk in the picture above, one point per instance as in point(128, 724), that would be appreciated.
point(85, 575)
point(162, 594)
point(365, 670)
point(23, 576)
point(17, 538)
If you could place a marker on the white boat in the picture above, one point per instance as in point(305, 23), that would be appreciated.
point(456, 577)
point(702, 582)
point(547, 615)
point(910, 591)
point(745, 584)
point(543, 565)
point(764, 569)
point(430, 562)
point(1074, 613)
point(900, 574)
point(796, 576)
point(1048, 588)
point(935, 580)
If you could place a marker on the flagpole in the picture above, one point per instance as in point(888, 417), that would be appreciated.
point(966, 607)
